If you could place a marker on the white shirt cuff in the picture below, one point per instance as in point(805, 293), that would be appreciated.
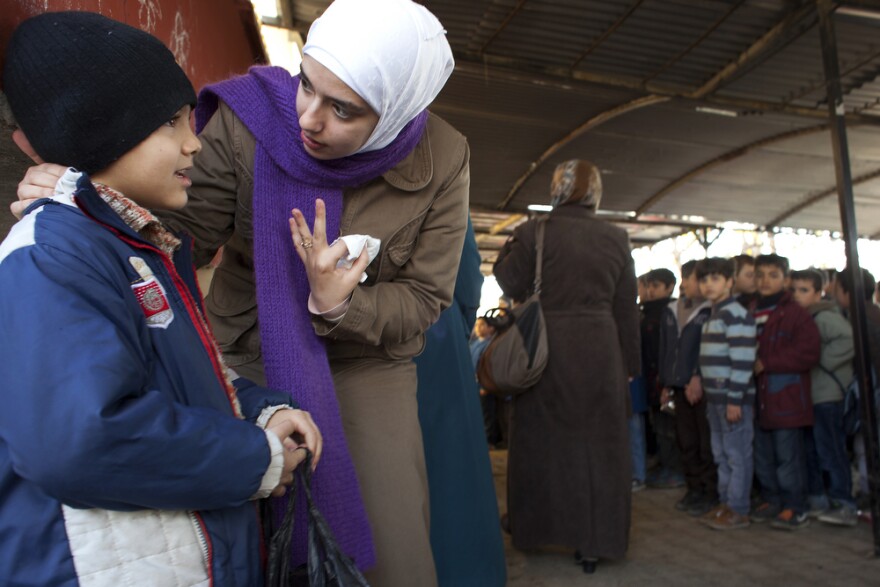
point(267, 414)
point(272, 476)
point(333, 314)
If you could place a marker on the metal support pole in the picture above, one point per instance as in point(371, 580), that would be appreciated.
point(850, 234)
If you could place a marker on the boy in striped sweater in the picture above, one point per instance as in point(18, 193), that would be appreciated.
point(727, 357)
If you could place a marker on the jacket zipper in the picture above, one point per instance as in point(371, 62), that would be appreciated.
point(200, 531)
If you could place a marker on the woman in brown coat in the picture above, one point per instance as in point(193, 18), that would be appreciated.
point(568, 469)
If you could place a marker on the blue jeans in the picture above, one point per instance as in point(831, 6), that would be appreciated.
point(732, 451)
point(826, 452)
point(780, 466)
point(637, 445)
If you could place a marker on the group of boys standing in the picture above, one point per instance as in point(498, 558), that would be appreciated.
point(745, 376)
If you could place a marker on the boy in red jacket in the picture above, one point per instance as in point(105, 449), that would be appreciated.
point(788, 347)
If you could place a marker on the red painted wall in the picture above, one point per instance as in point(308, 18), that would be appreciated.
point(212, 39)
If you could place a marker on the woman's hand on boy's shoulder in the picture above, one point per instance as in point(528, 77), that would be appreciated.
point(38, 182)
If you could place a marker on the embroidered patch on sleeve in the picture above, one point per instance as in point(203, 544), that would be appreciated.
point(151, 296)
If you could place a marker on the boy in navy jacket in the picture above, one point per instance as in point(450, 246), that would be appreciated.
point(127, 449)
point(788, 348)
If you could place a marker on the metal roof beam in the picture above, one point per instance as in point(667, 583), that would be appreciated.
point(593, 122)
point(718, 22)
point(503, 25)
point(608, 32)
point(821, 84)
point(819, 197)
point(724, 158)
point(756, 49)
point(512, 69)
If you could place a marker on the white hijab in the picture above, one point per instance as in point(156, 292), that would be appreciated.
point(392, 53)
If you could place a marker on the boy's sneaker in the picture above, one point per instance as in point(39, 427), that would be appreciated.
point(703, 507)
point(816, 512)
point(788, 520)
point(762, 513)
point(842, 516)
point(730, 521)
point(718, 512)
point(665, 479)
point(637, 485)
point(818, 506)
point(690, 498)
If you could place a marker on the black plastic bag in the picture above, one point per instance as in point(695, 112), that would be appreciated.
point(327, 565)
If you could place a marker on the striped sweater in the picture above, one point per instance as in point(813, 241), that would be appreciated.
point(727, 354)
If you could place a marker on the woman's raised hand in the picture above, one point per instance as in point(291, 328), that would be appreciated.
point(330, 285)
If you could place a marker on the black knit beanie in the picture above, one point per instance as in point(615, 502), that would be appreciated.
point(86, 89)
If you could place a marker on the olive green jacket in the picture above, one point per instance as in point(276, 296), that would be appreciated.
point(418, 209)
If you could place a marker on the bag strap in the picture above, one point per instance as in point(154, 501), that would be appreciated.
point(834, 377)
point(539, 253)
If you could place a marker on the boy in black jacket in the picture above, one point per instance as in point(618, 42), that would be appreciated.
point(679, 364)
point(662, 422)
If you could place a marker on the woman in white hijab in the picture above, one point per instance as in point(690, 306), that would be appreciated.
point(350, 147)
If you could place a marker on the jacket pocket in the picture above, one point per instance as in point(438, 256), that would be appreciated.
point(399, 249)
point(787, 396)
point(777, 382)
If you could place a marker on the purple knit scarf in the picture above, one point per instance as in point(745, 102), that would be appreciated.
point(294, 357)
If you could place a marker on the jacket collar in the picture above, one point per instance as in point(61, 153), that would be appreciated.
point(701, 307)
point(724, 303)
point(416, 170)
point(824, 306)
point(75, 189)
point(573, 210)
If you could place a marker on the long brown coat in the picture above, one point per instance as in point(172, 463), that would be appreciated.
point(569, 462)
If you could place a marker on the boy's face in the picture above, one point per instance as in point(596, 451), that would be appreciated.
point(804, 294)
point(657, 290)
point(770, 280)
point(745, 280)
point(690, 286)
point(715, 287)
point(335, 120)
point(154, 173)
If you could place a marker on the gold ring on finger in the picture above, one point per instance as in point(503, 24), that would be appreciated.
point(306, 244)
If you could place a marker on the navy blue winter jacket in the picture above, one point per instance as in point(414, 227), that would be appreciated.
point(680, 345)
point(115, 411)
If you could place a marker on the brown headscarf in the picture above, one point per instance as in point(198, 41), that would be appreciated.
point(576, 182)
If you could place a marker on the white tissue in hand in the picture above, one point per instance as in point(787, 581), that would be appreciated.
point(356, 244)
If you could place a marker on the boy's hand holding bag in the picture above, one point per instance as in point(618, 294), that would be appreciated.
point(327, 565)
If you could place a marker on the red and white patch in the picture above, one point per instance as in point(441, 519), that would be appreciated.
point(154, 302)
